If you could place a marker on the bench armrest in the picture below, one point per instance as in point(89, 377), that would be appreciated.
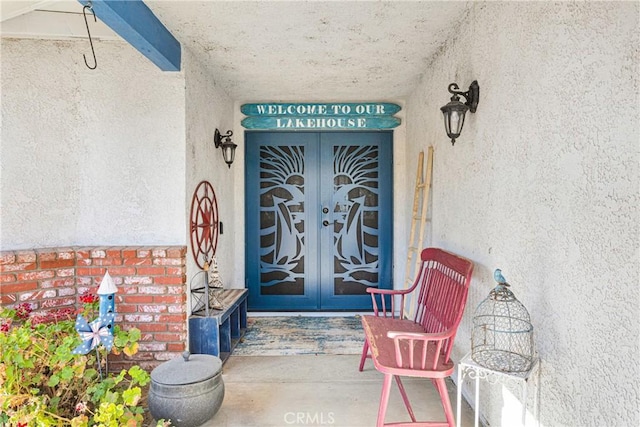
point(382, 309)
point(388, 291)
point(431, 346)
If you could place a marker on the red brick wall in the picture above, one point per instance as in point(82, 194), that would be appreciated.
point(151, 294)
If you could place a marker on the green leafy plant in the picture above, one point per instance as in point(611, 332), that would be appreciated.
point(43, 384)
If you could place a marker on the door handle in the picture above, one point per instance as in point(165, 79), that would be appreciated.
point(325, 223)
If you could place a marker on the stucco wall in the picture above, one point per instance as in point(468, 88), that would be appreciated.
point(543, 183)
point(89, 157)
point(110, 156)
point(208, 108)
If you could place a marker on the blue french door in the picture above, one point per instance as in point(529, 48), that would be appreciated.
point(318, 219)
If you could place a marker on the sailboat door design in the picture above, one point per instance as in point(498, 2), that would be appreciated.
point(318, 215)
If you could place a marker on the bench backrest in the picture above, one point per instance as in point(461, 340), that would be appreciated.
point(442, 285)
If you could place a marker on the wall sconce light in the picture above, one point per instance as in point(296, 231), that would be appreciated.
point(455, 110)
point(228, 147)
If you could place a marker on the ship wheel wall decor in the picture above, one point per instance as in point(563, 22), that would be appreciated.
point(204, 224)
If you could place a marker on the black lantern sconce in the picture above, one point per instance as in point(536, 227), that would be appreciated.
point(228, 147)
point(455, 110)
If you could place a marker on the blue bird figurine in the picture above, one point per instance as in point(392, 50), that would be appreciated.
point(498, 277)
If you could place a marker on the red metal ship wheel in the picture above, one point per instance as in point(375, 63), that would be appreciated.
point(204, 224)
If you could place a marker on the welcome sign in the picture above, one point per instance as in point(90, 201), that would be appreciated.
point(323, 116)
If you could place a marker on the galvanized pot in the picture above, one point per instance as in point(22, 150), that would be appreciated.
point(188, 390)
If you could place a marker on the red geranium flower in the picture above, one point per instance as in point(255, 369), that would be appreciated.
point(5, 326)
point(52, 316)
point(88, 298)
point(23, 310)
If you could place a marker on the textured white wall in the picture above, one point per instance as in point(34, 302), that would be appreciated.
point(208, 108)
point(89, 157)
point(543, 183)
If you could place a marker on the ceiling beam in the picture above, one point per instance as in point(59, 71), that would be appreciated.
point(136, 24)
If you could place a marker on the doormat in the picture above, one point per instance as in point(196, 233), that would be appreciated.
point(284, 336)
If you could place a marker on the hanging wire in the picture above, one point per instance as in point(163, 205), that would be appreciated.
point(84, 12)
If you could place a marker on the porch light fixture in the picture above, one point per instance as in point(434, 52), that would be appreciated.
point(455, 110)
point(228, 147)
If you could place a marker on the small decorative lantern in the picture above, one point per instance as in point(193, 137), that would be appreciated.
point(210, 294)
point(502, 338)
point(216, 287)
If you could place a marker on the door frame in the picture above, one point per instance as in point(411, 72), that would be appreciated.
point(315, 296)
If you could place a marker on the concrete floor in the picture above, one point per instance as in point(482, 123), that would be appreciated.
point(325, 390)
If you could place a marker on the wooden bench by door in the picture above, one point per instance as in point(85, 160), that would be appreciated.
point(419, 347)
point(219, 333)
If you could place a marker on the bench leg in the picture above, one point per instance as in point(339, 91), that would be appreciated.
point(444, 397)
point(204, 336)
point(384, 399)
point(243, 313)
point(235, 324)
point(225, 336)
point(365, 353)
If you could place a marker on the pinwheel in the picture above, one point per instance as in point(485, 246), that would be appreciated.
point(94, 333)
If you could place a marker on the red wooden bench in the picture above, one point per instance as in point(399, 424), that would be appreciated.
point(418, 347)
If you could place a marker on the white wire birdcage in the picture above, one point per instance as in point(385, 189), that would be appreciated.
point(502, 337)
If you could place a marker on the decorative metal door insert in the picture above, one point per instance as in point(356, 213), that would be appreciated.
point(282, 220)
point(355, 219)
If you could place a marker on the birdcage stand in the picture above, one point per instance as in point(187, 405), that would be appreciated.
point(467, 368)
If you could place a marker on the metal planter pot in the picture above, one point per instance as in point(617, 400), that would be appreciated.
point(188, 390)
